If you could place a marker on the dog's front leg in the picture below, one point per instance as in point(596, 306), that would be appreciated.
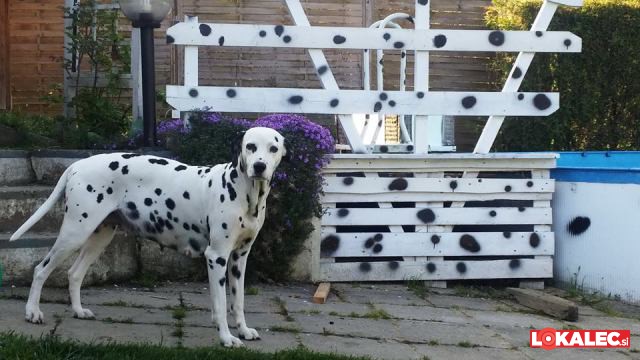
point(238, 264)
point(217, 269)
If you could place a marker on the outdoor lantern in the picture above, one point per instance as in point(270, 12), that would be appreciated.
point(147, 15)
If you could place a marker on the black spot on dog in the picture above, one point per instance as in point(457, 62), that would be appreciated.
point(180, 168)
point(235, 272)
point(186, 195)
point(158, 161)
point(496, 38)
point(129, 156)
point(426, 216)
point(46, 262)
point(578, 225)
point(461, 267)
point(232, 192)
point(439, 41)
point(295, 99)
point(279, 29)
point(541, 102)
point(233, 290)
point(109, 190)
point(514, 264)
point(194, 245)
point(224, 225)
point(186, 226)
point(235, 256)
point(286, 39)
point(100, 197)
point(205, 29)
point(114, 165)
point(168, 225)
point(131, 205)
point(469, 243)
point(195, 228)
point(134, 214)
point(399, 184)
point(262, 33)
point(169, 215)
point(158, 191)
point(148, 201)
point(125, 170)
point(534, 240)
point(398, 44)
point(222, 281)
point(221, 261)
point(231, 93)
point(468, 102)
point(377, 248)
point(431, 267)
point(233, 175)
point(393, 265)
point(343, 212)
point(170, 204)
point(339, 39)
point(516, 73)
point(435, 239)
point(85, 215)
point(221, 40)
point(348, 181)
point(221, 198)
point(365, 267)
point(89, 188)
point(329, 245)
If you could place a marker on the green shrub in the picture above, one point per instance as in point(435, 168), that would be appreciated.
point(600, 94)
point(296, 185)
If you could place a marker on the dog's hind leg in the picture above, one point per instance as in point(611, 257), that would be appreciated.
point(89, 253)
point(70, 239)
point(237, 266)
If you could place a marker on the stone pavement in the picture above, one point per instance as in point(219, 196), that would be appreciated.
point(382, 321)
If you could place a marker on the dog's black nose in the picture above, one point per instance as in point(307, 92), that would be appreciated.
point(259, 167)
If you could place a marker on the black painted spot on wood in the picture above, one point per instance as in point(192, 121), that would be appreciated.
point(398, 44)
point(399, 184)
point(339, 39)
point(426, 216)
point(334, 102)
point(578, 225)
point(323, 69)
point(514, 264)
point(295, 99)
point(286, 39)
point(539, 33)
point(423, 2)
point(469, 243)
point(348, 181)
point(534, 240)
point(262, 33)
point(343, 212)
point(384, 149)
point(109, 190)
point(567, 42)
point(377, 248)
point(279, 29)
point(516, 73)
point(468, 102)
point(431, 267)
point(365, 267)
point(493, 213)
point(369, 243)
point(506, 234)
point(205, 29)
point(520, 96)
point(221, 40)
point(435, 239)
point(529, 183)
point(507, 188)
point(453, 184)
point(496, 38)
point(392, 103)
point(439, 41)
point(386, 36)
point(377, 237)
point(420, 94)
point(393, 265)
point(377, 107)
point(383, 96)
point(409, 147)
point(461, 267)
point(521, 209)
point(329, 245)
point(46, 262)
point(231, 93)
point(541, 102)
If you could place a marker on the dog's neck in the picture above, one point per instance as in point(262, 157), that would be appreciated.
point(256, 190)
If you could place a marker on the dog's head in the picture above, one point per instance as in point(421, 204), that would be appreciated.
point(259, 151)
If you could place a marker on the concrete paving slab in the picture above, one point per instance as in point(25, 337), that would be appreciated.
point(601, 322)
point(252, 303)
point(100, 332)
point(448, 334)
point(346, 326)
point(202, 318)
point(130, 298)
point(429, 313)
point(376, 349)
point(270, 341)
point(376, 295)
point(503, 319)
point(132, 315)
point(449, 301)
point(294, 305)
point(440, 352)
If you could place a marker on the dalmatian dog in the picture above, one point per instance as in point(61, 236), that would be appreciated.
point(216, 211)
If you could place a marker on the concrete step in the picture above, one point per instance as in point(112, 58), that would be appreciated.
point(18, 203)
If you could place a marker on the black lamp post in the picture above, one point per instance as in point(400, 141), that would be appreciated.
point(147, 15)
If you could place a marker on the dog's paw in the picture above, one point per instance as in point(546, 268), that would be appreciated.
point(83, 314)
point(248, 334)
point(230, 341)
point(34, 315)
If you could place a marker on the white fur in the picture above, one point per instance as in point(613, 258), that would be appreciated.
point(212, 211)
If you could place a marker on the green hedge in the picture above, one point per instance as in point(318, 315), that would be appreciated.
point(599, 88)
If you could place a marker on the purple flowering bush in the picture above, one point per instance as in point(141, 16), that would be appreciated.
point(296, 186)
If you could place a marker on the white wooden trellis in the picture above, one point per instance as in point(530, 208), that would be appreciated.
point(429, 182)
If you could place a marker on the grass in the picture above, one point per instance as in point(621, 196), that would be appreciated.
point(119, 321)
point(418, 287)
point(466, 344)
point(116, 303)
point(179, 313)
point(289, 329)
point(282, 309)
point(486, 292)
point(48, 348)
point(375, 314)
point(251, 291)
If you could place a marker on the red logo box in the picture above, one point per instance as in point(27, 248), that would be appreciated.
point(550, 338)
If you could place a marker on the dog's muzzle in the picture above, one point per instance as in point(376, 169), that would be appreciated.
point(258, 169)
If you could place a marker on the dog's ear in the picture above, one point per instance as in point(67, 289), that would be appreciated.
point(236, 148)
point(287, 155)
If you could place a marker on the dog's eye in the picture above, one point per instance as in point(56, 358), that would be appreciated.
point(252, 147)
point(273, 149)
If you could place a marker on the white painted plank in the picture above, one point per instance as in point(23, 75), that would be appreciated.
point(422, 21)
point(430, 197)
point(413, 163)
point(325, 101)
point(438, 244)
point(444, 270)
point(327, 79)
point(324, 37)
point(438, 216)
point(370, 185)
point(190, 58)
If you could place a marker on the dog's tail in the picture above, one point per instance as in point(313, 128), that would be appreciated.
point(42, 210)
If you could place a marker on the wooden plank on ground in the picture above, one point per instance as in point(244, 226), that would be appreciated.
point(320, 297)
point(549, 304)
